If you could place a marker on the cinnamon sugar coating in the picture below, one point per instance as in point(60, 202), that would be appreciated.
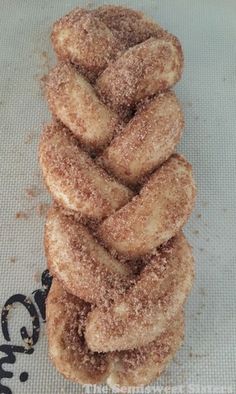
point(73, 100)
point(66, 321)
point(156, 214)
point(74, 179)
point(81, 264)
point(84, 39)
point(91, 39)
point(144, 70)
point(66, 318)
point(141, 366)
point(130, 27)
point(148, 307)
point(147, 140)
point(122, 267)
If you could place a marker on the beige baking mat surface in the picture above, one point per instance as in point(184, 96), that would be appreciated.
point(207, 30)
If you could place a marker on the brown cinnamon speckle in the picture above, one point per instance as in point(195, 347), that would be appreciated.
point(29, 137)
point(32, 192)
point(22, 215)
point(42, 208)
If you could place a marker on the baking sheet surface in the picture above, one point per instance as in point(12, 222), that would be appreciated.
point(207, 30)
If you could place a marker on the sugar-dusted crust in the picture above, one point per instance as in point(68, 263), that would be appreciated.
point(73, 178)
point(81, 264)
point(122, 267)
point(73, 100)
point(148, 307)
point(141, 366)
point(147, 140)
point(91, 39)
point(129, 26)
point(66, 318)
point(66, 321)
point(156, 214)
point(147, 68)
point(85, 40)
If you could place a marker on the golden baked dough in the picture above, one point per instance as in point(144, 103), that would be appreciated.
point(74, 179)
point(85, 40)
point(81, 264)
point(156, 214)
point(66, 317)
point(141, 366)
point(91, 39)
point(129, 26)
point(66, 320)
point(143, 70)
point(146, 141)
point(72, 100)
point(113, 237)
point(146, 310)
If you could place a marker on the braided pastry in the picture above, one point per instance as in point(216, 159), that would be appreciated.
point(122, 267)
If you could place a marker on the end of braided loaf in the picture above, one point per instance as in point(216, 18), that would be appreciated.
point(122, 267)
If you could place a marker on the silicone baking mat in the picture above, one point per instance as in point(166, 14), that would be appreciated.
point(207, 29)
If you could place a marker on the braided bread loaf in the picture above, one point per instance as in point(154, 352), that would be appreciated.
point(122, 267)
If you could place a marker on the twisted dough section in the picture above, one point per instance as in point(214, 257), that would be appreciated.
point(85, 40)
point(81, 264)
point(148, 307)
point(156, 214)
point(113, 240)
point(66, 319)
point(146, 59)
point(66, 322)
point(149, 219)
point(91, 39)
point(146, 141)
point(143, 70)
point(74, 179)
point(72, 99)
point(140, 366)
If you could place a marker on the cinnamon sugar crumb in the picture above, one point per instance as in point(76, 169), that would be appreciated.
point(42, 208)
point(45, 60)
point(29, 137)
point(22, 215)
point(42, 83)
point(32, 191)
